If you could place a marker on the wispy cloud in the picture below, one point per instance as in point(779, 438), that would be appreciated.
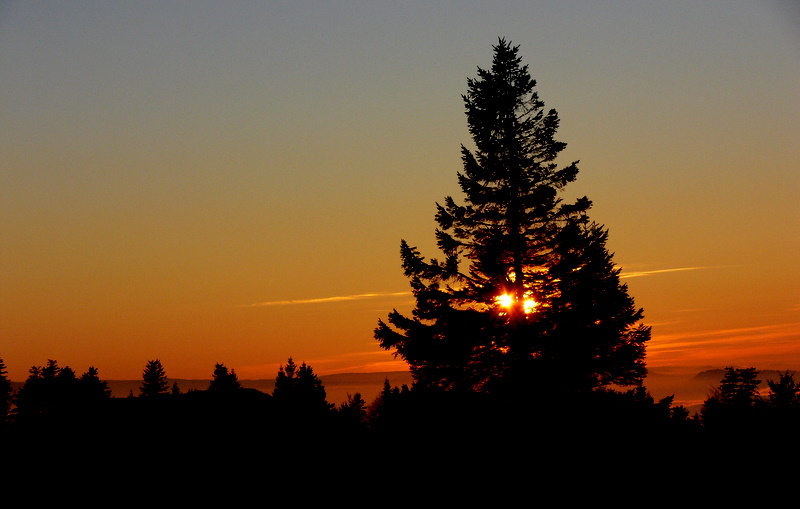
point(361, 296)
point(366, 361)
point(337, 298)
point(766, 346)
point(751, 336)
point(641, 273)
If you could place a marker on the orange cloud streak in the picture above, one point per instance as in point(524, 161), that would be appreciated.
point(338, 298)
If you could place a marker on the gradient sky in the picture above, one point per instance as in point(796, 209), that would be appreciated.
point(213, 181)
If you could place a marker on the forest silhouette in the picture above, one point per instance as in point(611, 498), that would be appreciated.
point(54, 405)
point(523, 338)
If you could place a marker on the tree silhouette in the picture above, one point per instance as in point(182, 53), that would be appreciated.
point(222, 380)
point(389, 412)
point(154, 380)
point(310, 388)
point(6, 394)
point(43, 393)
point(540, 302)
point(739, 387)
point(92, 387)
point(353, 412)
point(784, 392)
point(298, 390)
point(781, 414)
point(53, 394)
point(284, 382)
point(733, 403)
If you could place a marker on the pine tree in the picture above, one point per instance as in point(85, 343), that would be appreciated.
point(784, 392)
point(50, 392)
point(154, 380)
point(284, 382)
point(734, 402)
point(223, 380)
point(354, 406)
point(300, 391)
point(92, 387)
point(6, 393)
point(782, 407)
point(739, 387)
point(540, 301)
point(390, 409)
point(310, 390)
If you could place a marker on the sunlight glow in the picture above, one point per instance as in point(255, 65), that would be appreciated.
point(507, 301)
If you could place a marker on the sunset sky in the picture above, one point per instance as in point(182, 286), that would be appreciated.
point(214, 181)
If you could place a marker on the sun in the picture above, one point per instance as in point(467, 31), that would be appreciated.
point(507, 301)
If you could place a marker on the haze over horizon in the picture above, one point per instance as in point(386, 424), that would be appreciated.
point(229, 181)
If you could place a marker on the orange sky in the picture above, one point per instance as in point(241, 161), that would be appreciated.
point(206, 184)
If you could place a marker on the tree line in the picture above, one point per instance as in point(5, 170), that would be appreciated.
point(55, 399)
point(54, 396)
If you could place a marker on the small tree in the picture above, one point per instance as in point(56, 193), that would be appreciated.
point(92, 387)
point(284, 382)
point(154, 380)
point(300, 390)
point(310, 388)
point(49, 393)
point(784, 392)
point(739, 387)
point(353, 412)
point(6, 393)
point(390, 409)
point(782, 406)
point(223, 380)
point(732, 403)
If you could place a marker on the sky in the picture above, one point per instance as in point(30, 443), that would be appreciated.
point(228, 182)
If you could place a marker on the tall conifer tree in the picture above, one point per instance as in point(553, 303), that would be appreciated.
point(539, 299)
point(154, 380)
